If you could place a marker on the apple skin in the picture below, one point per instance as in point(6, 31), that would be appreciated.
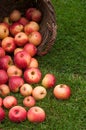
point(34, 14)
point(15, 28)
point(26, 89)
point(31, 49)
point(15, 15)
point(15, 82)
point(14, 71)
point(2, 52)
point(33, 63)
point(4, 90)
point(32, 75)
point(39, 92)
point(29, 101)
point(21, 39)
point(3, 76)
point(5, 62)
point(9, 102)
point(22, 59)
point(49, 80)
point(1, 102)
point(35, 38)
point(4, 30)
point(17, 50)
point(23, 21)
point(62, 91)
point(8, 44)
point(2, 114)
point(17, 114)
point(31, 27)
point(36, 114)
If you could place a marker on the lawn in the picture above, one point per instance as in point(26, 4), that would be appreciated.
point(67, 61)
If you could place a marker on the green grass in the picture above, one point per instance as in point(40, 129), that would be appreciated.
point(67, 60)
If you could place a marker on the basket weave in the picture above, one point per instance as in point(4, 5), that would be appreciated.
point(48, 27)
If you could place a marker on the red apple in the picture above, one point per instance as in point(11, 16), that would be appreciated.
point(33, 63)
point(17, 114)
point(22, 59)
point(49, 80)
point(39, 92)
point(1, 102)
point(31, 27)
point(23, 21)
point(9, 102)
point(8, 44)
point(33, 14)
point(26, 89)
point(17, 50)
point(14, 71)
point(16, 28)
point(4, 30)
point(31, 49)
point(35, 38)
point(3, 76)
point(36, 114)
point(36, 15)
point(21, 39)
point(4, 90)
point(2, 114)
point(2, 52)
point(15, 82)
point(15, 15)
point(29, 13)
point(5, 62)
point(32, 75)
point(29, 101)
point(62, 91)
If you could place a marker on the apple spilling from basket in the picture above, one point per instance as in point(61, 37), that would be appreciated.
point(19, 69)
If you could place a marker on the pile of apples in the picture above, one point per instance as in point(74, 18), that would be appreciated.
point(19, 69)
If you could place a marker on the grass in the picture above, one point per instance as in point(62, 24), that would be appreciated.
point(67, 60)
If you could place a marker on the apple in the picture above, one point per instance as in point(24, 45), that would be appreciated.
point(23, 21)
point(49, 80)
point(33, 63)
point(31, 27)
point(15, 28)
point(36, 114)
point(14, 71)
point(21, 39)
point(28, 13)
point(31, 49)
point(2, 52)
point(26, 89)
point(15, 15)
point(9, 101)
point(4, 90)
point(39, 92)
point(62, 91)
point(17, 114)
point(35, 38)
point(15, 82)
point(32, 75)
point(17, 50)
point(7, 20)
point(29, 101)
point(5, 62)
point(8, 44)
point(1, 102)
point(22, 59)
point(34, 14)
point(3, 76)
point(4, 30)
point(2, 114)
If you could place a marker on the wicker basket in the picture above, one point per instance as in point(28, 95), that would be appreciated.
point(48, 27)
